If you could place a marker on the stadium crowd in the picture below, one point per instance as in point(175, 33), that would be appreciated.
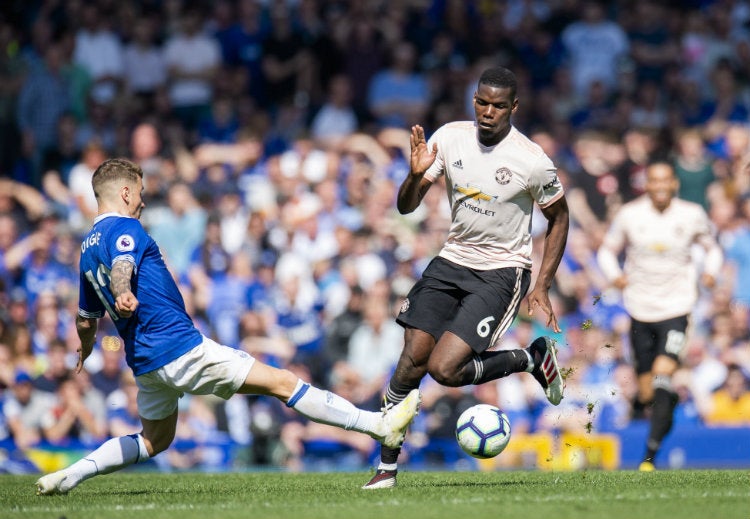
point(273, 137)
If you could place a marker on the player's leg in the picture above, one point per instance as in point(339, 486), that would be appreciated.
point(487, 311)
point(114, 454)
point(644, 347)
point(329, 408)
point(671, 340)
point(410, 369)
point(428, 308)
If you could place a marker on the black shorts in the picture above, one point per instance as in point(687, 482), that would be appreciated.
point(649, 340)
point(476, 305)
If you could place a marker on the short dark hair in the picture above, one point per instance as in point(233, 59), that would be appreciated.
point(115, 169)
point(499, 77)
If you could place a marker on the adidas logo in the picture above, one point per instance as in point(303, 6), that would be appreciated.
point(458, 164)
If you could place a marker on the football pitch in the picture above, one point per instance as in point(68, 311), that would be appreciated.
point(464, 495)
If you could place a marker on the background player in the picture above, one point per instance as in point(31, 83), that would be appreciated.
point(659, 283)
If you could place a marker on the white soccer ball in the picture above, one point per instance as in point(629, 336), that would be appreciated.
point(483, 431)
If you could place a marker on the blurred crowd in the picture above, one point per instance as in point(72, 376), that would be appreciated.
point(274, 135)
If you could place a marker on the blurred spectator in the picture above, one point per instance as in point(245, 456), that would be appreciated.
point(99, 50)
point(122, 408)
point(594, 47)
point(227, 300)
point(108, 379)
point(241, 43)
point(730, 404)
point(364, 55)
point(641, 146)
point(100, 126)
point(594, 192)
point(50, 349)
point(653, 44)
point(336, 119)
point(25, 410)
point(62, 158)
point(192, 60)
point(296, 304)
point(220, 124)
point(181, 229)
point(399, 95)
point(286, 61)
point(12, 74)
point(144, 69)
point(340, 330)
point(79, 185)
point(43, 98)
point(374, 348)
point(693, 166)
point(727, 101)
point(79, 413)
point(440, 418)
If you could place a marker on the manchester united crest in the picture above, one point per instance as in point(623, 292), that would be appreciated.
point(503, 176)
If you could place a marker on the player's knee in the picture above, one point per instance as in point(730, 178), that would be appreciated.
point(444, 375)
point(156, 445)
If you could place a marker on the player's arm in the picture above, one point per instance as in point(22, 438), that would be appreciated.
point(713, 261)
point(558, 222)
point(86, 328)
point(608, 252)
point(125, 300)
point(415, 186)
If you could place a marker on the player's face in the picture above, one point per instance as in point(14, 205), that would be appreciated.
point(661, 185)
point(137, 205)
point(493, 107)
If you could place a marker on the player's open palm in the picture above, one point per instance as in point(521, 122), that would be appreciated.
point(421, 156)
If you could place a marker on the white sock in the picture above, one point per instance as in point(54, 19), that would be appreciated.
point(387, 466)
point(329, 408)
point(112, 455)
point(530, 365)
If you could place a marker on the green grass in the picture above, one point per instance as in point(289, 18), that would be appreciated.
point(716, 494)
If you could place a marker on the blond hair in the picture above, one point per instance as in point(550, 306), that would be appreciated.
point(114, 170)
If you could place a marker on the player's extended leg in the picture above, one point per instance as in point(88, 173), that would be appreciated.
point(665, 401)
point(112, 455)
point(410, 369)
point(455, 364)
point(326, 407)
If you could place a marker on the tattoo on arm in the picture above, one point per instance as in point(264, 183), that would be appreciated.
point(120, 276)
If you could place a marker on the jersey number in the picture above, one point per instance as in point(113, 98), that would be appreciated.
point(101, 280)
point(675, 342)
point(483, 328)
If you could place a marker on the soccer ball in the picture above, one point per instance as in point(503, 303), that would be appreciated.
point(483, 431)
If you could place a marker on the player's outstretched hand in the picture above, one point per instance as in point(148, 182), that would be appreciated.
point(421, 157)
point(540, 299)
point(125, 304)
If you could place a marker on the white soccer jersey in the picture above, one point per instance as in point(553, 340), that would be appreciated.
point(492, 191)
point(659, 265)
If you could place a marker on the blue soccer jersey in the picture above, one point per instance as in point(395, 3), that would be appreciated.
point(160, 330)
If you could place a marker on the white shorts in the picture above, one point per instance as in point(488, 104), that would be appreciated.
point(208, 369)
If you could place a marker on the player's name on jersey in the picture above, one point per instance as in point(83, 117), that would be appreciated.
point(91, 240)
